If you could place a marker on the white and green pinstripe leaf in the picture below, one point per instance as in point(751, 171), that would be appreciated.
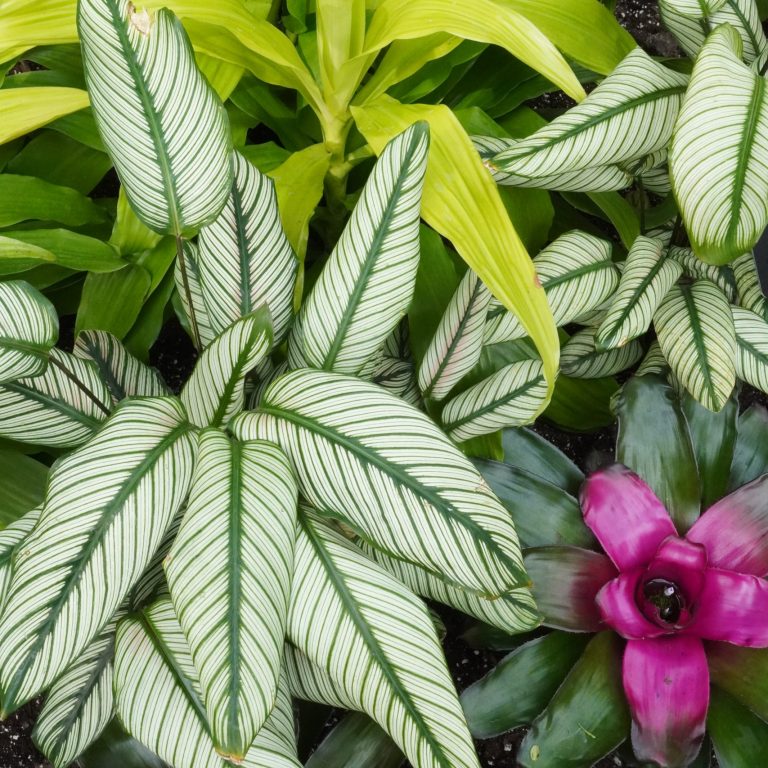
point(648, 275)
point(229, 574)
point(107, 507)
point(657, 180)
point(629, 115)
point(310, 682)
point(158, 699)
point(697, 9)
point(244, 257)
point(581, 359)
point(54, 408)
point(749, 294)
point(125, 376)
point(695, 329)
point(164, 127)
point(458, 341)
point(10, 538)
point(751, 348)
point(29, 327)
point(194, 295)
point(577, 274)
point(510, 397)
point(383, 468)
point(512, 613)
point(267, 372)
point(368, 281)
point(653, 362)
point(719, 153)
point(697, 269)
point(385, 658)
point(397, 377)
point(215, 391)
point(80, 704)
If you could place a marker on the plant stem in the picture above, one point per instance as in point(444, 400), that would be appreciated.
point(79, 384)
point(187, 291)
point(676, 230)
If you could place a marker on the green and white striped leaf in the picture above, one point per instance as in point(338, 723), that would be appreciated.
point(629, 115)
point(215, 391)
point(368, 281)
point(61, 407)
point(749, 294)
point(458, 341)
point(10, 538)
point(385, 659)
point(577, 274)
point(189, 287)
point(751, 348)
point(80, 704)
point(696, 269)
point(654, 362)
point(383, 468)
point(510, 398)
point(107, 507)
point(124, 375)
point(719, 153)
point(581, 359)
point(244, 257)
point(698, 9)
point(229, 574)
point(164, 127)
point(695, 329)
point(159, 702)
point(29, 327)
point(648, 275)
point(397, 377)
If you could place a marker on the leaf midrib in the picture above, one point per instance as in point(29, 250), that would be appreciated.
point(698, 340)
point(57, 405)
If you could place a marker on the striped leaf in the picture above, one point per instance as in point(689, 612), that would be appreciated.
point(719, 153)
point(157, 695)
point(162, 124)
point(79, 705)
point(387, 661)
point(10, 538)
point(106, 510)
point(389, 473)
point(697, 9)
point(458, 341)
point(215, 391)
point(696, 269)
point(696, 334)
point(510, 398)
point(244, 257)
point(367, 283)
point(577, 274)
point(62, 407)
point(646, 278)
point(125, 376)
point(751, 348)
point(749, 293)
point(229, 574)
point(654, 362)
point(29, 327)
point(397, 377)
point(581, 359)
point(629, 115)
point(190, 291)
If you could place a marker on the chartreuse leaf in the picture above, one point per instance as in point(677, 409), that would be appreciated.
point(749, 294)
point(215, 391)
point(144, 86)
point(405, 475)
point(739, 736)
point(106, 510)
point(719, 153)
point(696, 334)
point(751, 348)
point(461, 202)
point(25, 109)
point(367, 283)
point(159, 702)
point(388, 662)
point(10, 537)
point(582, 404)
point(244, 258)
point(29, 327)
point(229, 575)
point(581, 358)
point(61, 407)
point(750, 456)
point(22, 485)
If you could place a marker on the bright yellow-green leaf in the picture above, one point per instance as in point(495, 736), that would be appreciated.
point(222, 75)
point(25, 109)
point(461, 202)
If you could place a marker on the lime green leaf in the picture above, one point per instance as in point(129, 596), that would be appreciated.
point(25, 109)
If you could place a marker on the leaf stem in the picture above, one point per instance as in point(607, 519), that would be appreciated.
point(188, 292)
point(79, 384)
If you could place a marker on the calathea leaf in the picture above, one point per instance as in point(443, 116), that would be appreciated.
point(368, 281)
point(696, 269)
point(751, 348)
point(581, 359)
point(510, 398)
point(124, 375)
point(29, 328)
point(107, 508)
point(190, 293)
point(458, 341)
point(696, 334)
point(397, 376)
point(388, 472)
point(215, 390)
point(749, 294)
point(719, 153)
point(164, 127)
point(158, 698)
point(229, 574)
point(387, 662)
point(244, 257)
point(10, 538)
point(645, 280)
point(698, 9)
point(61, 407)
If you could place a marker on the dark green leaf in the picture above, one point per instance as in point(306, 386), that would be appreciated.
point(116, 748)
point(740, 737)
point(582, 404)
point(750, 457)
point(741, 672)
point(22, 485)
point(356, 742)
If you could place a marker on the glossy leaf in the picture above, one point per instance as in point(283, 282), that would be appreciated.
point(739, 737)
point(750, 456)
